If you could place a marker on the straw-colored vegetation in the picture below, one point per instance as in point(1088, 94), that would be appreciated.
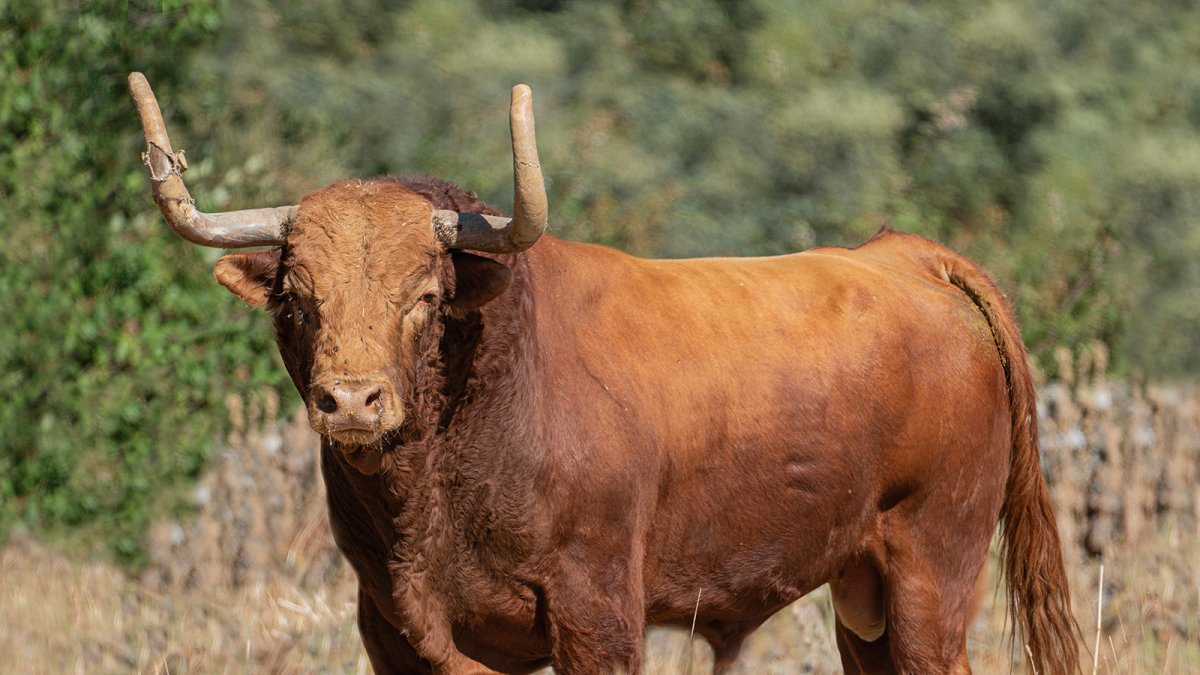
point(252, 582)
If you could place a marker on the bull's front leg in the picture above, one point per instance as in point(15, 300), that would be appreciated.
point(392, 653)
point(596, 616)
point(389, 652)
point(429, 632)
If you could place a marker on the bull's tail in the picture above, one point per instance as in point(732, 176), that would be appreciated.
point(1033, 566)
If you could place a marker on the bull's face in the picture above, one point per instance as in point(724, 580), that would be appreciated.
point(358, 276)
point(357, 293)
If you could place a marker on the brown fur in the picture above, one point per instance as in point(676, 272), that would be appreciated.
point(577, 443)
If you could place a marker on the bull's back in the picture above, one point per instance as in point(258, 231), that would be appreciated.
point(681, 341)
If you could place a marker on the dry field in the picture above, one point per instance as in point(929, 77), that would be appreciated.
point(252, 583)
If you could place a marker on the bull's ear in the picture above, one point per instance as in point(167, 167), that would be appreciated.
point(477, 280)
point(250, 275)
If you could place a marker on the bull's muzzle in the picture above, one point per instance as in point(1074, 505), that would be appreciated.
point(353, 413)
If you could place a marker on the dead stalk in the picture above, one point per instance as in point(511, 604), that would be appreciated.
point(692, 634)
point(1099, 611)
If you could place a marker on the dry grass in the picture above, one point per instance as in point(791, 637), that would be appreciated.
point(252, 583)
point(62, 616)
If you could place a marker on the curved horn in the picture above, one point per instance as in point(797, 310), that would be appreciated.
point(493, 234)
point(231, 229)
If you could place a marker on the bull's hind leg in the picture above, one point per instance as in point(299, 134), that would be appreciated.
point(923, 638)
point(930, 582)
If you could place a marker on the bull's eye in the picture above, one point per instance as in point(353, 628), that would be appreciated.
point(424, 302)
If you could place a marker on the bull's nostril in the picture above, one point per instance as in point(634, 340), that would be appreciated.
point(326, 403)
point(373, 397)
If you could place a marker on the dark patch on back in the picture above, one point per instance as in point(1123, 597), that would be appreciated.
point(444, 195)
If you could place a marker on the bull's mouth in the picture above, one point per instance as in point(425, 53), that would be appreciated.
point(349, 433)
point(356, 436)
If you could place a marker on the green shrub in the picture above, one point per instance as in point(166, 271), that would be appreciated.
point(115, 351)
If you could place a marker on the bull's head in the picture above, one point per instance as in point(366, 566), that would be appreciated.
point(356, 273)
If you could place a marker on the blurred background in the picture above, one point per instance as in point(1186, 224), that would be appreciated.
point(147, 463)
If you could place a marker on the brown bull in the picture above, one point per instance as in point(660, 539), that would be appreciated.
point(532, 454)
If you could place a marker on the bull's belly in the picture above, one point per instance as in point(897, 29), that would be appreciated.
point(747, 561)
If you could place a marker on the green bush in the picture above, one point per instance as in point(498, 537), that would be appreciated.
point(116, 349)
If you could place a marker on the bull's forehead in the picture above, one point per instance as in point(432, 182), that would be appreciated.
point(356, 233)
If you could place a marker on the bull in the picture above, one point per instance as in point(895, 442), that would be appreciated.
point(533, 448)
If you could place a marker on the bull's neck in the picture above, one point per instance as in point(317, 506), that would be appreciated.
point(487, 361)
point(477, 398)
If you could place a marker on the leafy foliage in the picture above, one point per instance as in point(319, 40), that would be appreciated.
point(115, 354)
point(1057, 143)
